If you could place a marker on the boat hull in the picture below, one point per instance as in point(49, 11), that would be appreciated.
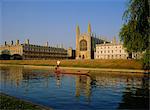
point(71, 72)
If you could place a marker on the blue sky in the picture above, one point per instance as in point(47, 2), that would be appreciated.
point(55, 20)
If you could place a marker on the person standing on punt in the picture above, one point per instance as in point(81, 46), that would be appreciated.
point(58, 64)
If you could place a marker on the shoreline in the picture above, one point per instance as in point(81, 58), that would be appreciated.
point(79, 68)
point(109, 64)
point(8, 100)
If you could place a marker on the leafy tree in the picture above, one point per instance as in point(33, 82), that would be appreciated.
point(5, 57)
point(135, 32)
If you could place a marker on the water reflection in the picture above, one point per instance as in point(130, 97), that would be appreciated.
point(102, 91)
point(136, 97)
point(83, 86)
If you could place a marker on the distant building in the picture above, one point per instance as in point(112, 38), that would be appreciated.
point(71, 53)
point(86, 44)
point(110, 51)
point(30, 51)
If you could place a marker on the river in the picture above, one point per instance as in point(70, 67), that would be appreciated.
point(76, 92)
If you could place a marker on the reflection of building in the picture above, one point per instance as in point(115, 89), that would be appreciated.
point(29, 51)
point(110, 51)
point(83, 85)
point(85, 44)
point(16, 75)
point(12, 75)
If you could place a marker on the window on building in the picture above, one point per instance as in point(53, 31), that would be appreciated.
point(101, 51)
point(83, 45)
point(112, 51)
point(108, 51)
point(120, 51)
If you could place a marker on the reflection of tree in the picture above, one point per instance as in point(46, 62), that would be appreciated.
point(136, 98)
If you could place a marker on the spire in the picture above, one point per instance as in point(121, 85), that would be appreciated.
point(89, 28)
point(77, 30)
point(114, 40)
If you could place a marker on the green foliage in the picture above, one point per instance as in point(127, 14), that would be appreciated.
point(11, 103)
point(5, 57)
point(146, 60)
point(135, 32)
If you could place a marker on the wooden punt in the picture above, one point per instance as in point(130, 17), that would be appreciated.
point(71, 72)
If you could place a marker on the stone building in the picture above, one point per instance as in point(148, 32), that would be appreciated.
point(30, 51)
point(111, 51)
point(71, 53)
point(86, 43)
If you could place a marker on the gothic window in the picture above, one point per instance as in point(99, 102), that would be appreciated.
point(83, 45)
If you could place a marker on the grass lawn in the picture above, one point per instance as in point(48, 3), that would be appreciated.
point(114, 64)
point(12, 103)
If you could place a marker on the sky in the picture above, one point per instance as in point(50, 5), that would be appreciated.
point(55, 20)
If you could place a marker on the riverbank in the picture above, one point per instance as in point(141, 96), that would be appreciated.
point(96, 64)
point(12, 103)
point(91, 70)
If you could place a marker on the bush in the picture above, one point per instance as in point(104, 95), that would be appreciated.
point(5, 57)
point(146, 60)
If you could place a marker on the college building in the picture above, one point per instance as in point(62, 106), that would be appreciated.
point(29, 51)
point(111, 50)
point(86, 43)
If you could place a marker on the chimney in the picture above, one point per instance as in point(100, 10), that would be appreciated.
point(17, 42)
point(12, 42)
point(27, 41)
point(5, 43)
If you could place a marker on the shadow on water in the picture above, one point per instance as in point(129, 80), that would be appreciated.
point(59, 91)
point(136, 98)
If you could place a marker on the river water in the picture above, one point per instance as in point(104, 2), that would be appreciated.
point(76, 92)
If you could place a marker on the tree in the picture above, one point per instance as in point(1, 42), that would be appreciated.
point(135, 32)
point(5, 57)
point(16, 57)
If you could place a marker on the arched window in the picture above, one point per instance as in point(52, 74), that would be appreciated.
point(83, 45)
